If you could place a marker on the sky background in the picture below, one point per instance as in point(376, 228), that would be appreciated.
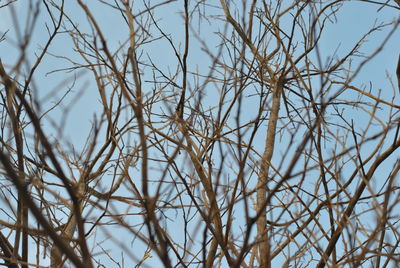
point(76, 112)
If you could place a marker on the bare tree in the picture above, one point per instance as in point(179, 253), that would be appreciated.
point(198, 133)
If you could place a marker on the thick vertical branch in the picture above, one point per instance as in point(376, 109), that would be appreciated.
point(22, 210)
point(181, 104)
point(262, 184)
